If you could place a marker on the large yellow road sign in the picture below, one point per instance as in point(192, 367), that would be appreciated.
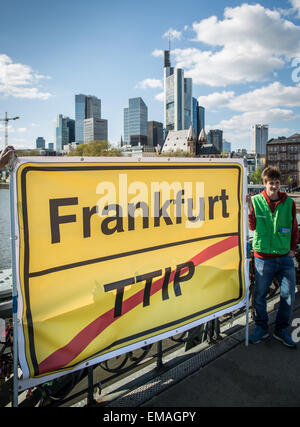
point(115, 254)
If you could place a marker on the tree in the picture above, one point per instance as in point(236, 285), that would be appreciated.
point(28, 153)
point(289, 181)
point(255, 177)
point(95, 149)
point(177, 153)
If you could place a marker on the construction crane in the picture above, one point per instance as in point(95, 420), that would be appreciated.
point(6, 120)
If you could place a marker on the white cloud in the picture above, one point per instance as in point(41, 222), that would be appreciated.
point(41, 76)
point(296, 6)
point(266, 97)
point(160, 97)
point(225, 67)
point(273, 131)
point(216, 99)
point(172, 34)
point(157, 53)
point(245, 120)
point(17, 80)
point(273, 95)
point(151, 83)
point(246, 46)
point(252, 27)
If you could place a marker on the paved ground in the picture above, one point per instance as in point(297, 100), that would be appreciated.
point(265, 374)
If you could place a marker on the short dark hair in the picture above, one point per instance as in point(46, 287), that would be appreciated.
point(271, 172)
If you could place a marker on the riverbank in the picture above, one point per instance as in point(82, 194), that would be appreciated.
point(4, 185)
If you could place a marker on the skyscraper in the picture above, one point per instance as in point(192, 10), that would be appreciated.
point(80, 115)
point(64, 131)
point(126, 126)
point(200, 117)
point(40, 142)
point(86, 106)
point(259, 138)
point(215, 137)
point(135, 122)
point(95, 129)
point(154, 134)
point(177, 97)
point(93, 107)
point(198, 120)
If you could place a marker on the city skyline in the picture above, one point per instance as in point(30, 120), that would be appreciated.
point(244, 59)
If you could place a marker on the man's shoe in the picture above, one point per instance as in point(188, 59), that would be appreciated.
point(258, 335)
point(283, 336)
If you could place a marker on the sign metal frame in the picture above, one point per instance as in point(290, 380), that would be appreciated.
point(26, 382)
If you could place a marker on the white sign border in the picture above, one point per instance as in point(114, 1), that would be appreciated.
point(25, 382)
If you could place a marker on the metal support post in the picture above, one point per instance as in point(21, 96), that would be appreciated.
point(90, 399)
point(14, 296)
point(246, 209)
point(247, 317)
point(159, 361)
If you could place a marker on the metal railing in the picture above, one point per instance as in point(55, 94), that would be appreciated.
point(82, 384)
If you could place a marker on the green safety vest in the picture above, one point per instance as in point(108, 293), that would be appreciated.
point(272, 234)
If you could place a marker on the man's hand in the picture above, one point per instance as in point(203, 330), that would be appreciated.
point(6, 155)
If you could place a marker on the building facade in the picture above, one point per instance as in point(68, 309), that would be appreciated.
point(215, 137)
point(154, 134)
point(259, 138)
point(284, 153)
point(86, 107)
point(181, 140)
point(126, 126)
point(40, 142)
point(135, 122)
point(64, 131)
point(93, 107)
point(200, 118)
point(198, 113)
point(95, 130)
point(226, 146)
point(178, 104)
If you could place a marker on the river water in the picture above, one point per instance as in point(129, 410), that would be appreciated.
point(5, 247)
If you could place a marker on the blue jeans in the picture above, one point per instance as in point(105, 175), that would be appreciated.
point(265, 271)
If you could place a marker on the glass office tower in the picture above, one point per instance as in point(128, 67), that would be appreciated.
point(86, 107)
point(95, 130)
point(80, 113)
point(64, 131)
point(259, 138)
point(40, 142)
point(126, 125)
point(198, 120)
point(135, 122)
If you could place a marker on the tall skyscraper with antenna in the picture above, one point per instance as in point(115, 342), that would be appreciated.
point(177, 96)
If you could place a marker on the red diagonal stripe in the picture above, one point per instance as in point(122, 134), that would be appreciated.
point(66, 354)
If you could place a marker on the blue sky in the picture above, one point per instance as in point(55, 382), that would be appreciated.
point(244, 59)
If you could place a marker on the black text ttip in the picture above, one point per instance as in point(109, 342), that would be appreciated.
point(181, 275)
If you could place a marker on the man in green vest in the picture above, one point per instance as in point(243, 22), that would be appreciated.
point(272, 217)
